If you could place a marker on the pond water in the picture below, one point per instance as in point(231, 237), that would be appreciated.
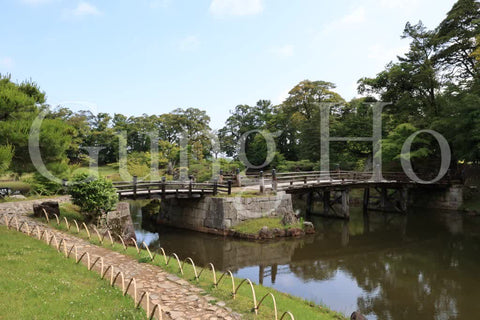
point(423, 265)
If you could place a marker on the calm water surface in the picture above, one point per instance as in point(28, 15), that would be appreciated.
point(424, 265)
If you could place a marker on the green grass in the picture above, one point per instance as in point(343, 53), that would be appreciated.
point(242, 303)
point(21, 186)
point(71, 212)
point(30, 197)
point(110, 171)
point(254, 225)
point(37, 282)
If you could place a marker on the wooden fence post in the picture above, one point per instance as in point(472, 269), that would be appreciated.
point(163, 187)
point(229, 187)
point(135, 179)
point(220, 176)
point(274, 180)
point(262, 183)
point(238, 179)
point(190, 187)
point(215, 187)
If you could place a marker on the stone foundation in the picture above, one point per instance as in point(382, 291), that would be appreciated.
point(450, 198)
point(220, 213)
point(119, 221)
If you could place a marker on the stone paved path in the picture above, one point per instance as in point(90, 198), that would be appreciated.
point(24, 207)
point(177, 297)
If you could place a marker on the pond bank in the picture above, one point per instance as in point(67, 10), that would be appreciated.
point(242, 303)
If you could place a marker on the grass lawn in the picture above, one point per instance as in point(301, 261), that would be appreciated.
point(254, 225)
point(21, 186)
point(109, 171)
point(37, 282)
point(34, 197)
point(71, 212)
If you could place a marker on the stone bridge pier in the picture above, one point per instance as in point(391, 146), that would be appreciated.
point(218, 214)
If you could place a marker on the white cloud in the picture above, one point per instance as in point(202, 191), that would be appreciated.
point(235, 7)
point(355, 17)
point(84, 9)
point(384, 55)
point(284, 51)
point(6, 62)
point(189, 43)
point(399, 4)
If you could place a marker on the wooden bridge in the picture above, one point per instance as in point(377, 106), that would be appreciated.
point(386, 193)
point(166, 189)
point(390, 193)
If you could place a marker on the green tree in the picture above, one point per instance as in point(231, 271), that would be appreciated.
point(300, 118)
point(16, 99)
point(19, 106)
point(456, 41)
point(95, 196)
point(392, 146)
point(6, 155)
point(246, 119)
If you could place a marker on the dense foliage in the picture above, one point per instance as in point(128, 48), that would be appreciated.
point(95, 196)
point(435, 85)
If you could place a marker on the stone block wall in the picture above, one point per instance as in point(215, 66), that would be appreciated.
point(221, 213)
point(450, 198)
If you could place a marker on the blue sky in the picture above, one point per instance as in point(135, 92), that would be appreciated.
point(151, 56)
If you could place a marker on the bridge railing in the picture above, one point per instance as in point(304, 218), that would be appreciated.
point(282, 180)
point(135, 188)
point(328, 176)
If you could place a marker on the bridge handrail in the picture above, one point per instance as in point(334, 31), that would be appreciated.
point(140, 187)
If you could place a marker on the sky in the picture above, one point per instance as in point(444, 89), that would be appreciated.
point(152, 56)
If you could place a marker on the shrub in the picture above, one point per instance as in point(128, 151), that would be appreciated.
point(292, 166)
point(95, 196)
point(44, 186)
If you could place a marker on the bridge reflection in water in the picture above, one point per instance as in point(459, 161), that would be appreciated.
point(423, 265)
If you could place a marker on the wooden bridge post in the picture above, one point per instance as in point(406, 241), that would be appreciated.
point(238, 178)
point(345, 203)
point(326, 202)
point(366, 198)
point(404, 199)
point(309, 202)
point(262, 183)
point(274, 180)
point(190, 187)
point(220, 176)
point(229, 187)
point(163, 188)
point(135, 179)
point(383, 198)
point(215, 187)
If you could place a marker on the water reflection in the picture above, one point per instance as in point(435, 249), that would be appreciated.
point(417, 266)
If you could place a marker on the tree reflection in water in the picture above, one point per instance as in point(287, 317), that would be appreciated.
point(417, 266)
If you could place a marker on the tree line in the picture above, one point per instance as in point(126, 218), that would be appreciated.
point(435, 85)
